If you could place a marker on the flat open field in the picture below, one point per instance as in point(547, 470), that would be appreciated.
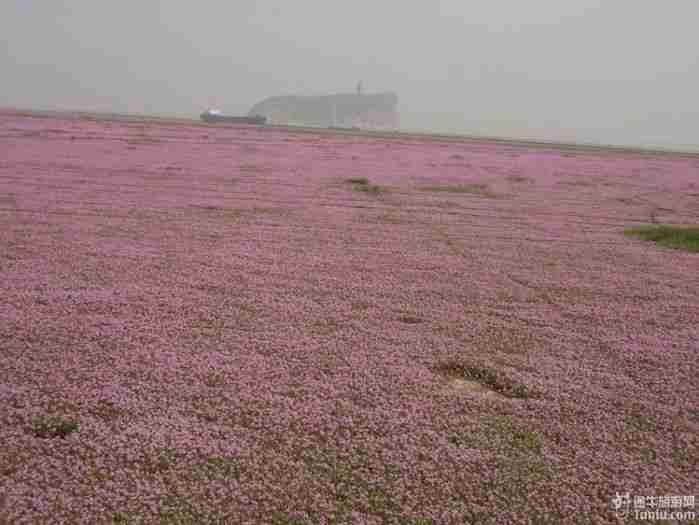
point(215, 325)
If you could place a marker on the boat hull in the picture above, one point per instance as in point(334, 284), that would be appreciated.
point(254, 120)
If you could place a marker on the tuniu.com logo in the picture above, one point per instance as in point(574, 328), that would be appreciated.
point(655, 508)
point(622, 504)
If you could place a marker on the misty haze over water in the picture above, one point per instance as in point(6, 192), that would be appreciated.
point(622, 72)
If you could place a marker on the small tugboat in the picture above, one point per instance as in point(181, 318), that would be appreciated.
point(214, 115)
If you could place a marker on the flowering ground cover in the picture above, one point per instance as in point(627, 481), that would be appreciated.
point(247, 325)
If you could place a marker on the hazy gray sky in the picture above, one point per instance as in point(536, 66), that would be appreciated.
point(616, 71)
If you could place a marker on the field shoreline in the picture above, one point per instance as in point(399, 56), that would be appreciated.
point(410, 135)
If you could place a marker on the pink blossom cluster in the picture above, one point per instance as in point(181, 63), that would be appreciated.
point(205, 324)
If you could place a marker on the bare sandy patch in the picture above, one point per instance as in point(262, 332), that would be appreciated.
point(460, 385)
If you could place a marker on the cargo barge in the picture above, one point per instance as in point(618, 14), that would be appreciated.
point(213, 115)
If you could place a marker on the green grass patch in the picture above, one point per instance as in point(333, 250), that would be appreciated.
point(54, 427)
point(581, 183)
point(374, 189)
point(250, 168)
point(8, 199)
point(520, 179)
point(389, 218)
point(410, 319)
point(524, 440)
point(279, 518)
point(481, 190)
point(358, 180)
point(143, 139)
point(682, 237)
point(262, 210)
point(363, 184)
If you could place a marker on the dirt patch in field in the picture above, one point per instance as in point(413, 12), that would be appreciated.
point(457, 384)
point(475, 377)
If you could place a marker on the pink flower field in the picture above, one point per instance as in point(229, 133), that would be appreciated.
point(257, 326)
